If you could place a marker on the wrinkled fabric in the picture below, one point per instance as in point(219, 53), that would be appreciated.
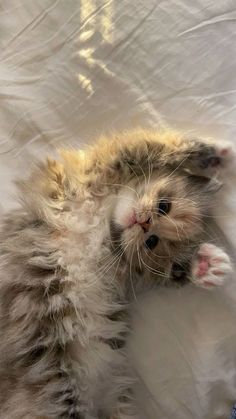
point(73, 69)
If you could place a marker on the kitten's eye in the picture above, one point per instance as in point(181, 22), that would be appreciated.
point(164, 207)
point(151, 242)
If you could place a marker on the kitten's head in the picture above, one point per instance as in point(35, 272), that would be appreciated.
point(155, 222)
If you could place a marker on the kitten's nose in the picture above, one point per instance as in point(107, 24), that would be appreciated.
point(145, 225)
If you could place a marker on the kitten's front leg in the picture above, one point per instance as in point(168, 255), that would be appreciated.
point(173, 151)
point(210, 266)
point(199, 156)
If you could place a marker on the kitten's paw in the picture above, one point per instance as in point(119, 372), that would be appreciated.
point(210, 266)
point(215, 156)
point(210, 157)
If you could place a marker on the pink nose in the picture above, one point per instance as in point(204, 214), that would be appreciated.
point(145, 225)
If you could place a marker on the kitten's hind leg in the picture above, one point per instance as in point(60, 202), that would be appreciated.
point(210, 266)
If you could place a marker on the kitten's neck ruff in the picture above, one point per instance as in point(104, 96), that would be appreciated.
point(87, 240)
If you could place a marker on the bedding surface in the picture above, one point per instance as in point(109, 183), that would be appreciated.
point(73, 69)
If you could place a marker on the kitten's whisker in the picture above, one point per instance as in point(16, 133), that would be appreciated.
point(206, 233)
point(159, 256)
point(145, 177)
point(120, 252)
point(138, 253)
point(150, 171)
point(179, 165)
point(172, 221)
point(150, 269)
point(136, 175)
point(105, 268)
point(118, 264)
point(130, 274)
point(100, 274)
point(216, 216)
point(148, 255)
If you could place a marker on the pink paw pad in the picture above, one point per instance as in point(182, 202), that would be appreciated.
point(203, 266)
point(225, 152)
point(210, 266)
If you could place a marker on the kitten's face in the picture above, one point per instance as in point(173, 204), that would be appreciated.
point(153, 222)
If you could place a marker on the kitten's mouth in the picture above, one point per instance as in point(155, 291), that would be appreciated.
point(144, 224)
point(116, 232)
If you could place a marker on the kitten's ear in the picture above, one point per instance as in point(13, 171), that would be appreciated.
point(210, 185)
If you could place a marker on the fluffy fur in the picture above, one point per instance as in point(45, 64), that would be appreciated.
point(71, 255)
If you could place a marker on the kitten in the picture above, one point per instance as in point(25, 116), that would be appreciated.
point(89, 227)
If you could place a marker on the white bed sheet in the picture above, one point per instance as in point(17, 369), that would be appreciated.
point(72, 69)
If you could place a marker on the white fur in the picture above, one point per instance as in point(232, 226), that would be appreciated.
point(88, 258)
